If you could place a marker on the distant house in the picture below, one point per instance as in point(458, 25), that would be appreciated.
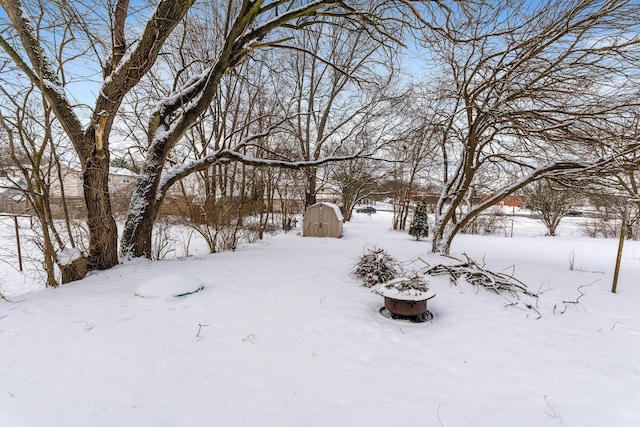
point(11, 195)
point(121, 179)
point(327, 194)
point(68, 183)
point(71, 184)
point(514, 200)
point(432, 198)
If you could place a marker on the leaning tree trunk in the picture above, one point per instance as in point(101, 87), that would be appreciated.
point(437, 237)
point(138, 229)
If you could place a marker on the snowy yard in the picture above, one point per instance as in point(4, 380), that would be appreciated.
point(283, 335)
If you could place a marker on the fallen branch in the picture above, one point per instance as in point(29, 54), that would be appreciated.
point(505, 285)
point(477, 275)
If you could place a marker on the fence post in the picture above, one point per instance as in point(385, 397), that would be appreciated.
point(15, 223)
point(623, 231)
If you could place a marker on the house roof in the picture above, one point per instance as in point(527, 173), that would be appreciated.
point(121, 172)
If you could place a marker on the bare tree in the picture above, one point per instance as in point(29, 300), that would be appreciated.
point(28, 125)
point(531, 90)
point(552, 203)
point(247, 27)
point(612, 192)
point(357, 180)
point(415, 152)
point(335, 85)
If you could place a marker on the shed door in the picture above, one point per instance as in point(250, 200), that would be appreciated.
point(324, 221)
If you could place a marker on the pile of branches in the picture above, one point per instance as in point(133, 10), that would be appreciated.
point(475, 274)
point(375, 267)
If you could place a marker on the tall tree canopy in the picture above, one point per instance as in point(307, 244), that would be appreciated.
point(48, 42)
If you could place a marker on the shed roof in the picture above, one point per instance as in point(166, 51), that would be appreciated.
point(333, 206)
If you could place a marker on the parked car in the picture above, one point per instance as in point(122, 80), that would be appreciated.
point(574, 213)
point(367, 210)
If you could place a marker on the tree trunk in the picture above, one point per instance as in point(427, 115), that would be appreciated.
point(441, 243)
point(437, 235)
point(103, 233)
point(138, 229)
point(310, 197)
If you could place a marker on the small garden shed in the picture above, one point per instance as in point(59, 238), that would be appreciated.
point(322, 220)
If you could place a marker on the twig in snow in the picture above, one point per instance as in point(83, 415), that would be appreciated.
point(8, 300)
point(572, 259)
point(439, 420)
point(251, 338)
point(200, 325)
point(614, 325)
point(577, 301)
point(554, 414)
point(532, 308)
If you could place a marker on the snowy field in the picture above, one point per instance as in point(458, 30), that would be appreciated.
point(283, 335)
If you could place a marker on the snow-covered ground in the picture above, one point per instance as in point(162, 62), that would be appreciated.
point(283, 335)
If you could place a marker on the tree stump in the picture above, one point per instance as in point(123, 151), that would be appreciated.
point(74, 270)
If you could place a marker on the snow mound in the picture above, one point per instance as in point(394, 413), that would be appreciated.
point(389, 290)
point(68, 255)
point(169, 285)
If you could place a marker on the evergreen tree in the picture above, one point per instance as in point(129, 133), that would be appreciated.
point(420, 223)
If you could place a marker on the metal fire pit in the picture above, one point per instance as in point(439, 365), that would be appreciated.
point(405, 307)
point(408, 310)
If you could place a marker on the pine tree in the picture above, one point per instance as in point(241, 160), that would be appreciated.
point(420, 223)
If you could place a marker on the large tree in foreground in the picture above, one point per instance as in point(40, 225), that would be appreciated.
point(46, 40)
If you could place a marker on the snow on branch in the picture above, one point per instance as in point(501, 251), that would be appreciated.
point(191, 90)
point(15, 56)
point(279, 20)
point(228, 155)
point(555, 170)
point(167, 14)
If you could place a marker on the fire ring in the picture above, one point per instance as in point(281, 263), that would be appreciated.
point(417, 318)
